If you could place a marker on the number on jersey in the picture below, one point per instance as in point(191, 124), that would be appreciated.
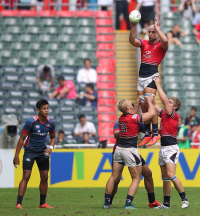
point(122, 126)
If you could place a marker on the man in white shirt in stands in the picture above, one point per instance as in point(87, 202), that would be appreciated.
point(84, 130)
point(87, 74)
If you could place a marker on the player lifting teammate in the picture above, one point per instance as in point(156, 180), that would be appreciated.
point(152, 53)
point(126, 152)
point(169, 151)
point(35, 130)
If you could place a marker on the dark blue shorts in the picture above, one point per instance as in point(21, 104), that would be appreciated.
point(41, 160)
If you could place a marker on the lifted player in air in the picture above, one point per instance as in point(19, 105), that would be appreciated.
point(126, 152)
point(152, 53)
point(35, 130)
point(146, 172)
point(169, 151)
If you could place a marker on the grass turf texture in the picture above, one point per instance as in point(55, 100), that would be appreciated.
point(88, 201)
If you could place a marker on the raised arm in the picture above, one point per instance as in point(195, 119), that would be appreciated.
point(161, 35)
point(151, 110)
point(163, 96)
point(132, 37)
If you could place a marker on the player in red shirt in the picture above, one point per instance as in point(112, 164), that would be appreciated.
point(126, 152)
point(169, 151)
point(152, 53)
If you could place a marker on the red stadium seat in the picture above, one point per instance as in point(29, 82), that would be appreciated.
point(105, 54)
point(101, 85)
point(105, 30)
point(106, 78)
point(104, 14)
point(46, 13)
point(105, 132)
point(85, 14)
point(10, 13)
point(107, 117)
point(105, 38)
point(107, 62)
point(104, 22)
point(106, 101)
point(110, 140)
point(28, 13)
point(65, 13)
point(106, 126)
point(105, 70)
point(106, 94)
point(106, 46)
point(106, 109)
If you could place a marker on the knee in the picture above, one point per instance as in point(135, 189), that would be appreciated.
point(144, 107)
point(148, 174)
point(44, 177)
point(170, 175)
point(26, 177)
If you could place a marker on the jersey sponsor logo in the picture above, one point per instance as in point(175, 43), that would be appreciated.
point(148, 52)
point(147, 56)
point(134, 116)
point(37, 126)
point(28, 159)
point(41, 134)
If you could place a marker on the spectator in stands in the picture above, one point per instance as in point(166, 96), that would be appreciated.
point(61, 138)
point(45, 78)
point(90, 97)
point(92, 5)
point(194, 134)
point(84, 130)
point(66, 89)
point(24, 4)
point(122, 8)
point(192, 117)
point(105, 4)
point(183, 140)
point(196, 19)
point(196, 32)
point(147, 8)
point(188, 9)
point(174, 35)
point(38, 4)
point(87, 74)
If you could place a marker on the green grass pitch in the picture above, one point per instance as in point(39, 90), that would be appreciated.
point(88, 202)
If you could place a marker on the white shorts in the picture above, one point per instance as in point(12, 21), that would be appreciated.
point(144, 82)
point(169, 154)
point(127, 156)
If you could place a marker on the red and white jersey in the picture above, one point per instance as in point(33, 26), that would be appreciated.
point(129, 125)
point(151, 57)
point(168, 128)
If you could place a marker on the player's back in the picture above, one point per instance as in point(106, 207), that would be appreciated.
point(128, 125)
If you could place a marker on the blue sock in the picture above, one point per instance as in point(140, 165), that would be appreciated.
point(129, 200)
point(183, 196)
point(107, 199)
point(166, 201)
point(42, 198)
point(19, 199)
point(147, 130)
point(155, 129)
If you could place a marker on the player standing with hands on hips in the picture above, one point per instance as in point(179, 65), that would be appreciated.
point(169, 151)
point(35, 130)
point(152, 53)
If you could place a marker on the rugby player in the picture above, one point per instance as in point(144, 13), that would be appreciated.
point(169, 151)
point(35, 131)
point(152, 53)
point(126, 153)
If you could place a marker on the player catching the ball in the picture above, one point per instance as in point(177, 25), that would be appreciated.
point(152, 53)
point(35, 130)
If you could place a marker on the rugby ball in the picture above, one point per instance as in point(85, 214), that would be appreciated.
point(135, 16)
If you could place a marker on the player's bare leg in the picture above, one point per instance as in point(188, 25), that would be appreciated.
point(43, 189)
point(149, 185)
point(114, 190)
point(111, 184)
point(22, 187)
point(135, 173)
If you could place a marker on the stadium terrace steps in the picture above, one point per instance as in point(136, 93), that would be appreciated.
point(126, 67)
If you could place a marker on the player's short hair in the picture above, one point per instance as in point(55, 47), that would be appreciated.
point(41, 102)
point(61, 132)
point(81, 116)
point(61, 78)
point(46, 68)
point(122, 105)
point(90, 85)
point(193, 108)
point(87, 59)
point(177, 103)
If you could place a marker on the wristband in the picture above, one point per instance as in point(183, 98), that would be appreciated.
point(51, 147)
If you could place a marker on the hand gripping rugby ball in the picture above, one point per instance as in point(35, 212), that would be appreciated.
point(135, 16)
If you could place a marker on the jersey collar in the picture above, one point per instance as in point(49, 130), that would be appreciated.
point(36, 118)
